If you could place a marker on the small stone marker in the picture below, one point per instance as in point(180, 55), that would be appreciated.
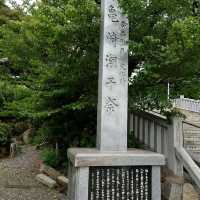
point(46, 180)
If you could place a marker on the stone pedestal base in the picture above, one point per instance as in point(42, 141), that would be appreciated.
point(134, 174)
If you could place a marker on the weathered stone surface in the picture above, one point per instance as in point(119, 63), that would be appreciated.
point(175, 179)
point(27, 136)
point(189, 192)
point(170, 191)
point(92, 157)
point(51, 172)
point(171, 185)
point(46, 180)
point(62, 180)
point(113, 79)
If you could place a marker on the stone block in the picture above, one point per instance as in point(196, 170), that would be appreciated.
point(92, 157)
point(175, 180)
point(51, 172)
point(62, 180)
point(27, 136)
point(189, 192)
point(172, 187)
point(42, 178)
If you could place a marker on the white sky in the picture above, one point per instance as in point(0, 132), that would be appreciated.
point(17, 1)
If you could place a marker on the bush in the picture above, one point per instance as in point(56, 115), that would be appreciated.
point(50, 157)
point(41, 136)
point(5, 134)
point(132, 141)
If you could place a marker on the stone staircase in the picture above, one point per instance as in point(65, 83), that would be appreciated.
point(191, 132)
point(192, 117)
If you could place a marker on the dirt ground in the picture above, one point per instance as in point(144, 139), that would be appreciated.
point(17, 178)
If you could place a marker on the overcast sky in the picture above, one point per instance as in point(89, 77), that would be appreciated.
point(18, 1)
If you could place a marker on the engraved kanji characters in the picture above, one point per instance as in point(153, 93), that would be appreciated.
point(111, 61)
point(112, 14)
point(116, 69)
point(110, 82)
point(124, 24)
point(113, 37)
point(117, 37)
point(123, 73)
point(122, 51)
point(111, 104)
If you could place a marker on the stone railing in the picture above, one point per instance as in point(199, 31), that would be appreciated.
point(156, 133)
point(165, 136)
point(189, 164)
point(187, 104)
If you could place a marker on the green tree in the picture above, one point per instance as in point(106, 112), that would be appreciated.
point(164, 46)
point(6, 13)
point(53, 54)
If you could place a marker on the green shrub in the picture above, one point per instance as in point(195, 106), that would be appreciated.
point(132, 141)
point(5, 134)
point(50, 157)
point(41, 136)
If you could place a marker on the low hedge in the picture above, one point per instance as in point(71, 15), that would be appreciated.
point(5, 134)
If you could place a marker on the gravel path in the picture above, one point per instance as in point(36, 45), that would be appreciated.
point(17, 178)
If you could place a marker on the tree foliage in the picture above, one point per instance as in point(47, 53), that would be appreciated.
point(7, 14)
point(164, 46)
point(53, 58)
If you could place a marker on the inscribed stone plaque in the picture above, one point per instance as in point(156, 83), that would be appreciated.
point(120, 183)
point(113, 79)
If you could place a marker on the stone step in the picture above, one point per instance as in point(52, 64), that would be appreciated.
point(51, 172)
point(192, 148)
point(191, 130)
point(191, 133)
point(197, 130)
point(191, 137)
point(188, 128)
point(192, 142)
point(42, 178)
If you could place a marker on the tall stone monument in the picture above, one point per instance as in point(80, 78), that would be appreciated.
point(111, 172)
point(113, 79)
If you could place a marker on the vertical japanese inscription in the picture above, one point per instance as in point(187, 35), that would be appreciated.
point(113, 80)
point(117, 38)
point(120, 183)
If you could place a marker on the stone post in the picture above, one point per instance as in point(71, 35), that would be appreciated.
point(173, 188)
point(113, 79)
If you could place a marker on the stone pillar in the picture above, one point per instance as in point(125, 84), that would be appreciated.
point(113, 79)
point(173, 186)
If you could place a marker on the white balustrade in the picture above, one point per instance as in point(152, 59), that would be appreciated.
point(156, 133)
point(165, 136)
point(187, 104)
